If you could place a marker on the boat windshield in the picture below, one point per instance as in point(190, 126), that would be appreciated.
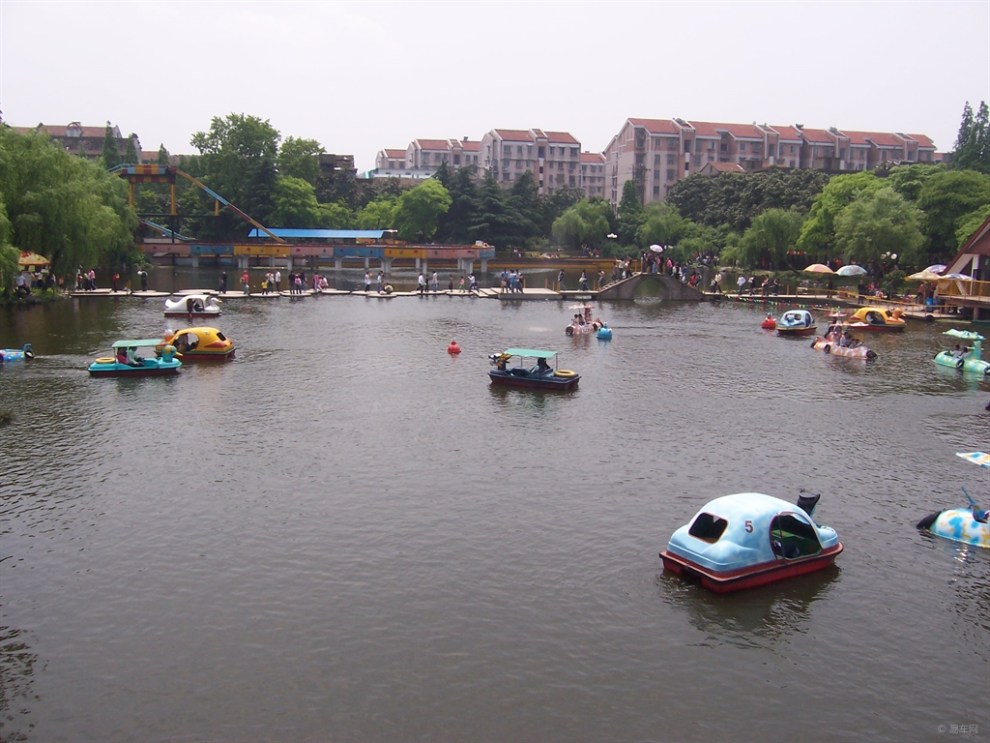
point(791, 536)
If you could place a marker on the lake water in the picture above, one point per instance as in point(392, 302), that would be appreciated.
point(348, 535)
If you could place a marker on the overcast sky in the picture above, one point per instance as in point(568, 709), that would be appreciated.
point(360, 77)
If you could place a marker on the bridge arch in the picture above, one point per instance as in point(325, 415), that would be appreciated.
point(667, 287)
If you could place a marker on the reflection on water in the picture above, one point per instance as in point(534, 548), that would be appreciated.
point(763, 618)
point(348, 534)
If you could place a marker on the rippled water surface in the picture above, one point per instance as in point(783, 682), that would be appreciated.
point(348, 535)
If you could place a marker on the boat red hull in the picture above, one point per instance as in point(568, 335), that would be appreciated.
point(751, 577)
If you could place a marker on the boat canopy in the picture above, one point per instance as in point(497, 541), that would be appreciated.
point(142, 343)
point(968, 335)
point(533, 353)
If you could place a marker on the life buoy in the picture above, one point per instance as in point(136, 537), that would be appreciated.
point(565, 373)
point(106, 360)
point(453, 348)
point(827, 349)
point(960, 364)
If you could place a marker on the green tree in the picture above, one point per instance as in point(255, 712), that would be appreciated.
point(970, 224)
point(908, 180)
point(295, 204)
point(972, 150)
point(662, 225)
point(338, 217)
point(876, 223)
point(524, 202)
point(238, 160)
point(462, 186)
point(111, 156)
point(948, 198)
point(378, 215)
point(420, 210)
point(630, 214)
point(494, 222)
point(68, 209)
point(300, 158)
point(817, 238)
point(583, 226)
point(766, 242)
point(130, 151)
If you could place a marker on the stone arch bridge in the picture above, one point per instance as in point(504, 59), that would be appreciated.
point(652, 284)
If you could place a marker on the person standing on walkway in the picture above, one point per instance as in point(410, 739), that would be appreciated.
point(143, 275)
point(421, 283)
point(560, 281)
point(381, 281)
point(245, 283)
point(584, 281)
point(367, 281)
point(222, 286)
point(278, 281)
point(434, 283)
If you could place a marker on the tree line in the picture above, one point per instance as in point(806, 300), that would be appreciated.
point(76, 212)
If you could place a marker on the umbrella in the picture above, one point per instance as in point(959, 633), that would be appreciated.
point(851, 270)
point(957, 277)
point(28, 259)
point(656, 248)
point(925, 275)
point(818, 268)
point(936, 268)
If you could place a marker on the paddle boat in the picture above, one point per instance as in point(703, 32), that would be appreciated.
point(747, 540)
point(198, 344)
point(126, 362)
point(522, 372)
point(796, 322)
point(968, 359)
point(582, 323)
point(24, 353)
point(192, 305)
point(604, 332)
point(839, 342)
point(768, 322)
point(967, 525)
point(876, 320)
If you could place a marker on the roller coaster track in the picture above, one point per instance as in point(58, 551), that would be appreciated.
point(135, 174)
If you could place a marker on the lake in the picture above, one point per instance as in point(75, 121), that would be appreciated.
point(347, 534)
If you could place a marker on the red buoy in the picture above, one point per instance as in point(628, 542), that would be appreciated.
point(453, 348)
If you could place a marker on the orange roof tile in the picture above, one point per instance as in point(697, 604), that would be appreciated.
point(592, 157)
point(817, 136)
point(656, 126)
point(922, 140)
point(739, 131)
point(514, 135)
point(561, 138)
point(787, 132)
point(433, 144)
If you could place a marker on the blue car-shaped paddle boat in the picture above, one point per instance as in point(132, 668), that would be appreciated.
point(968, 358)
point(126, 362)
point(747, 540)
point(966, 525)
point(530, 367)
point(796, 322)
point(604, 333)
point(25, 353)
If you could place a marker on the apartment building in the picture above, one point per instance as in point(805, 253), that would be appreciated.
point(657, 153)
point(592, 183)
point(554, 158)
point(84, 141)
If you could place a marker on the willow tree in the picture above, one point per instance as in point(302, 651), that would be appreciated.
point(68, 209)
point(878, 224)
